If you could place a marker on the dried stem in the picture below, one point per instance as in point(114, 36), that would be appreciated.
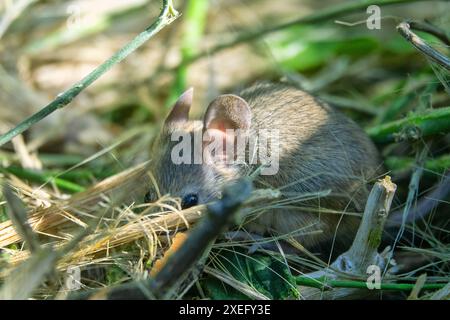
point(363, 252)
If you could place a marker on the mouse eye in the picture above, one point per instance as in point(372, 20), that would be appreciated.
point(148, 197)
point(189, 200)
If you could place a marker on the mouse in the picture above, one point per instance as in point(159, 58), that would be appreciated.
point(317, 152)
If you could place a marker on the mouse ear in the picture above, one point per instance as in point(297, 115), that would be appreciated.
point(227, 111)
point(227, 117)
point(180, 110)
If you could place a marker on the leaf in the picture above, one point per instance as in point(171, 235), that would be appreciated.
point(265, 274)
point(115, 274)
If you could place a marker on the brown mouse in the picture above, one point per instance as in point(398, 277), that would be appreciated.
point(319, 149)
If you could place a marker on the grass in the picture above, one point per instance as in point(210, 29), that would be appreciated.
point(74, 185)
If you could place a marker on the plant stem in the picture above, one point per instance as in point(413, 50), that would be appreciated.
point(167, 16)
point(404, 164)
point(194, 20)
point(44, 178)
point(317, 283)
point(415, 126)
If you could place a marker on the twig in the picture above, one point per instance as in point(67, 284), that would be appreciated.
point(167, 15)
point(362, 253)
point(219, 215)
point(364, 250)
point(404, 29)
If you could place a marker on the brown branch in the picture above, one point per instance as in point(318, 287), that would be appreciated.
point(219, 215)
